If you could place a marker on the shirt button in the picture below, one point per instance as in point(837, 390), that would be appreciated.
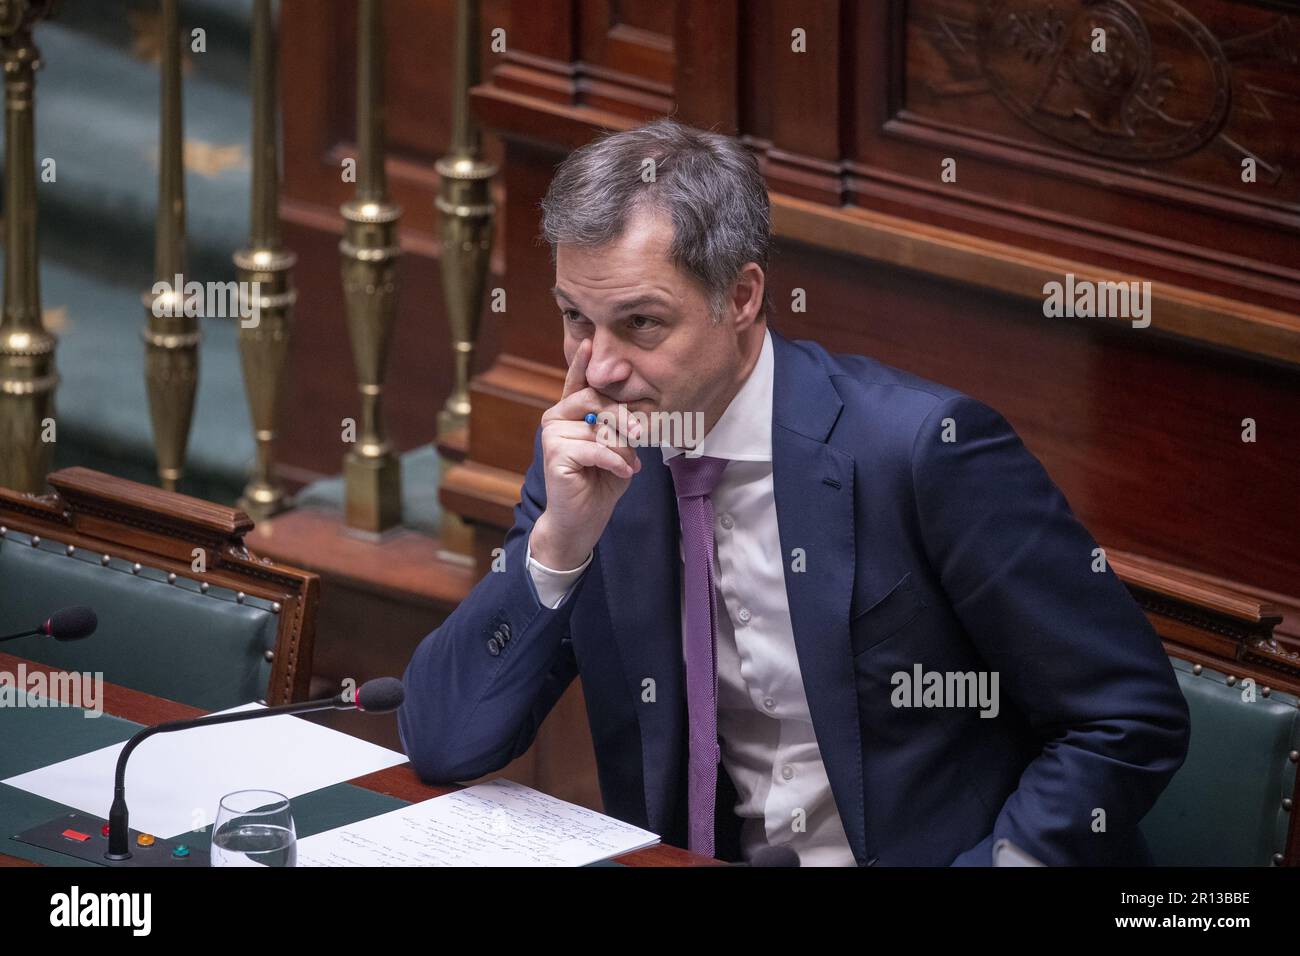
point(726, 521)
point(787, 772)
point(769, 703)
point(744, 615)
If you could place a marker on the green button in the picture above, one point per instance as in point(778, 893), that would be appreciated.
point(180, 850)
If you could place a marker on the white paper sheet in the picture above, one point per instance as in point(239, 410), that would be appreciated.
point(175, 781)
point(501, 823)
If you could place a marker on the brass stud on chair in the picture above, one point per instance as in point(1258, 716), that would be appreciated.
point(1196, 669)
point(269, 655)
point(171, 577)
point(1287, 805)
point(239, 598)
point(135, 568)
point(3, 531)
point(1294, 756)
point(275, 607)
point(203, 587)
point(1231, 681)
point(1277, 859)
point(36, 540)
point(70, 550)
point(104, 560)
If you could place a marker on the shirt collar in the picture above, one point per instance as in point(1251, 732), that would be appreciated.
point(744, 432)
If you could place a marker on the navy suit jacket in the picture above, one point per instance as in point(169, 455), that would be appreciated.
point(958, 555)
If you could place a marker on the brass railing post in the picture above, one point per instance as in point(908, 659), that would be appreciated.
point(171, 364)
point(263, 267)
point(468, 219)
point(369, 250)
point(27, 375)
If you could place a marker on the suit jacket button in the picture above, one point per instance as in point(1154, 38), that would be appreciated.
point(505, 630)
point(493, 647)
point(502, 634)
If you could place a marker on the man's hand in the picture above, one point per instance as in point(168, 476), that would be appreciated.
point(586, 471)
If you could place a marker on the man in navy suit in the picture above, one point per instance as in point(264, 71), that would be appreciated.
point(858, 619)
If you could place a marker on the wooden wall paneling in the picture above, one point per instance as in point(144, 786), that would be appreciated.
point(629, 39)
point(708, 69)
point(755, 54)
point(947, 254)
point(609, 57)
point(811, 105)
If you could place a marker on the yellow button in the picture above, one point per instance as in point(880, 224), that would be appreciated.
point(144, 839)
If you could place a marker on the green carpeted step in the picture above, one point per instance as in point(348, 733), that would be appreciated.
point(130, 25)
point(97, 118)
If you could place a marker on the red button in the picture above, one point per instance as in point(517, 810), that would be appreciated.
point(72, 834)
point(105, 830)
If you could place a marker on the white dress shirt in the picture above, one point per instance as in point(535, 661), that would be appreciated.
point(769, 748)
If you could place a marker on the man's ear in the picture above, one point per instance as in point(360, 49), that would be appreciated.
point(747, 295)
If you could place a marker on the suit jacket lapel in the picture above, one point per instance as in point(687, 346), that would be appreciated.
point(813, 488)
point(644, 605)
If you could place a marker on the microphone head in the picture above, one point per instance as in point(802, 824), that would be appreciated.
point(71, 624)
point(381, 695)
point(778, 855)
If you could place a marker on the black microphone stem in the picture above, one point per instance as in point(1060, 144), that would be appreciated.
point(118, 829)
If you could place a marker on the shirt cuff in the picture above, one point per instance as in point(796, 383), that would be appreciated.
point(552, 586)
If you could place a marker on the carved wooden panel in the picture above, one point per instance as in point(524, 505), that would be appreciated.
point(1186, 91)
point(1156, 137)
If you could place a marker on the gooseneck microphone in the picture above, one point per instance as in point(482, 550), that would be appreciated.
point(379, 696)
point(69, 624)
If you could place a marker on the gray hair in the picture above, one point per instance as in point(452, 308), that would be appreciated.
point(708, 184)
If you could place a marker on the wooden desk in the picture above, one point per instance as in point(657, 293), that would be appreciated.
point(400, 781)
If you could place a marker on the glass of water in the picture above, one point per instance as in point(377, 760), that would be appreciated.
point(254, 828)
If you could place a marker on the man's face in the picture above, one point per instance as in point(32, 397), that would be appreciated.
point(654, 345)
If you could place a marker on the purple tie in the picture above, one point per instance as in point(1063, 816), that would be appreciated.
point(695, 479)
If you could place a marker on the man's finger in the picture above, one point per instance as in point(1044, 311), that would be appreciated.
point(587, 399)
point(576, 378)
point(594, 455)
point(563, 428)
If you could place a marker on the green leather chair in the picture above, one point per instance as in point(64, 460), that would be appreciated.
point(211, 639)
point(1231, 802)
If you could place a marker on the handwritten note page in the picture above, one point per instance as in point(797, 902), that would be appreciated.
point(501, 823)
